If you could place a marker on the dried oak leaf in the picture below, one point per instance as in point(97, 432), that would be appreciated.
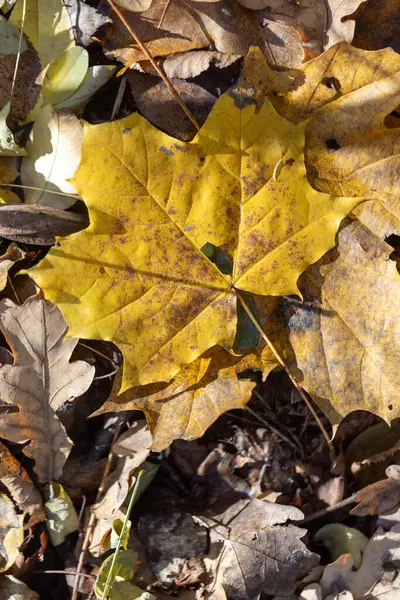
point(260, 552)
point(137, 275)
point(20, 486)
point(199, 394)
point(348, 346)
point(39, 382)
point(11, 533)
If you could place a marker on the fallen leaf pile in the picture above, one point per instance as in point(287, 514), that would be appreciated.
point(199, 208)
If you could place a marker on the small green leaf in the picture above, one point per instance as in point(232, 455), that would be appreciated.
point(61, 514)
point(340, 539)
point(116, 532)
point(65, 74)
point(124, 569)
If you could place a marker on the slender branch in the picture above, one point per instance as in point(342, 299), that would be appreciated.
point(38, 189)
point(164, 12)
point(154, 64)
point(292, 378)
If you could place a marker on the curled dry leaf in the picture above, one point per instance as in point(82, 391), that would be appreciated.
point(378, 498)
point(39, 382)
point(241, 184)
point(38, 224)
point(20, 486)
point(12, 255)
point(54, 153)
point(201, 392)
point(132, 448)
point(341, 353)
point(11, 533)
point(186, 65)
point(260, 551)
point(320, 24)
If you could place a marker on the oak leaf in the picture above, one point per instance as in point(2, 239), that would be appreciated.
point(11, 533)
point(259, 550)
point(347, 341)
point(199, 394)
point(39, 382)
point(137, 275)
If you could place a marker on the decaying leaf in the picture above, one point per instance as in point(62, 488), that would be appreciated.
point(39, 382)
point(241, 185)
point(260, 552)
point(124, 569)
point(47, 25)
point(378, 25)
point(200, 393)
point(13, 589)
point(8, 173)
point(379, 497)
point(20, 486)
point(61, 514)
point(27, 82)
point(85, 20)
point(349, 340)
point(37, 224)
point(132, 448)
point(54, 153)
point(154, 102)
point(12, 255)
point(11, 533)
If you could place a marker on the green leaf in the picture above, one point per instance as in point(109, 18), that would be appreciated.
point(61, 514)
point(124, 569)
point(340, 539)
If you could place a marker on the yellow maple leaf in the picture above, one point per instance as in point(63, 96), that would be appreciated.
point(137, 275)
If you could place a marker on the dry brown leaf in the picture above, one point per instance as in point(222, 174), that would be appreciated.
point(85, 20)
point(320, 23)
point(347, 339)
point(190, 64)
point(38, 224)
point(20, 486)
point(195, 25)
point(201, 392)
point(379, 497)
point(381, 221)
point(260, 551)
point(132, 448)
point(12, 255)
point(155, 103)
point(39, 382)
point(378, 25)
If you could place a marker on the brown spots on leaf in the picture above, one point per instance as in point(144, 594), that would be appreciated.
point(102, 270)
point(166, 151)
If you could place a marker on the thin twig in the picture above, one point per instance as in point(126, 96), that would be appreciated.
point(50, 571)
point(275, 430)
point(328, 509)
point(14, 291)
point(272, 416)
point(154, 64)
point(118, 99)
point(121, 535)
point(291, 377)
point(92, 520)
point(106, 375)
point(110, 360)
point(38, 189)
point(166, 7)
